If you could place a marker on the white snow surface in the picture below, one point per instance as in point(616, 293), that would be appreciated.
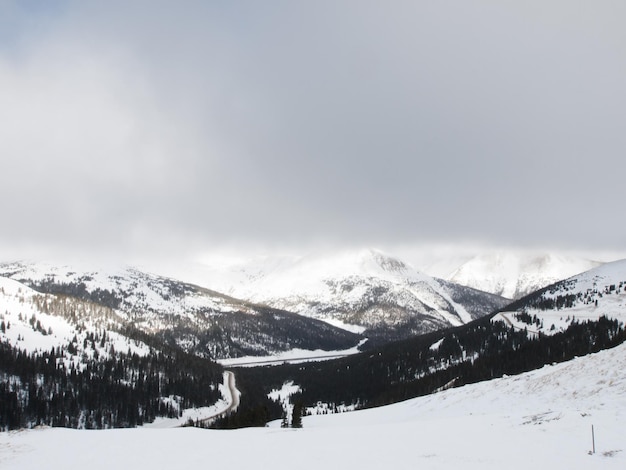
point(541, 419)
point(513, 274)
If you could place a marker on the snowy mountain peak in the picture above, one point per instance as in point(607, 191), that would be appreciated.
point(361, 288)
point(388, 263)
point(365, 263)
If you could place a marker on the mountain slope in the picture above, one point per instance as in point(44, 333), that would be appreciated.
point(74, 363)
point(587, 296)
point(359, 290)
point(195, 319)
point(515, 274)
point(579, 316)
point(36, 322)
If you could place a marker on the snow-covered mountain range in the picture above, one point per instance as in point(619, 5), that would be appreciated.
point(195, 319)
point(514, 274)
point(76, 316)
point(362, 290)
point(315, 302)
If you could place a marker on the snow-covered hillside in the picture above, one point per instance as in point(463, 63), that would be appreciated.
point(356, 290)
point(36, 322)
point(588, 296)
point(195, 319)
point(541, 419)
point(513, 274)
point(71, 362)
point(142, 297)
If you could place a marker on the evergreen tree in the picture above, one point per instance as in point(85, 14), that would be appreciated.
point(296, 417)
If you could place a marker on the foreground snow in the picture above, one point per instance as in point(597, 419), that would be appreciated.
point(541, 419)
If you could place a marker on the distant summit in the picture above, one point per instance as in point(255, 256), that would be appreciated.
point(357, 290)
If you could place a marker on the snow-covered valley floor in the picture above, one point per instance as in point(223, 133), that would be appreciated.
point(541, 419)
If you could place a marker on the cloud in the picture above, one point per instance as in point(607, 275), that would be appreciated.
point(161, 127)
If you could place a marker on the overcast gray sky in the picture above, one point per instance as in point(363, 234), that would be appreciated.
point(170, 128)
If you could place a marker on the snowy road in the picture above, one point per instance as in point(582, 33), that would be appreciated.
point(233, 400)
point(228, 403)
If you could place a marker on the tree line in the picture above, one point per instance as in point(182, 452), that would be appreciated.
point(122, 391)
point(480, 350)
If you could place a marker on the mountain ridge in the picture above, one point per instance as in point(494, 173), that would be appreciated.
point(196, 319)
point(366, 288)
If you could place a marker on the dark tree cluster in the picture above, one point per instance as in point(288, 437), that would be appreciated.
point(562, 295)
point(125, 391)
point(241, 334)
point(478, 351)
point(75, 289)
point(255, 409)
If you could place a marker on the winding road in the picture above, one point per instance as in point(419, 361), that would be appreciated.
point(233, 400)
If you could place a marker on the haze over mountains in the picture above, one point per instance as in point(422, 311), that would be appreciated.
point(505, 273)
point(516, 274)
point(327, 303)
point(357, 290)
point(363, 292)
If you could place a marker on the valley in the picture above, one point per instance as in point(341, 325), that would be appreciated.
point(127, 329)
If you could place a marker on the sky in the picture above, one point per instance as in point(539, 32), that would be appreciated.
point(168, 129)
